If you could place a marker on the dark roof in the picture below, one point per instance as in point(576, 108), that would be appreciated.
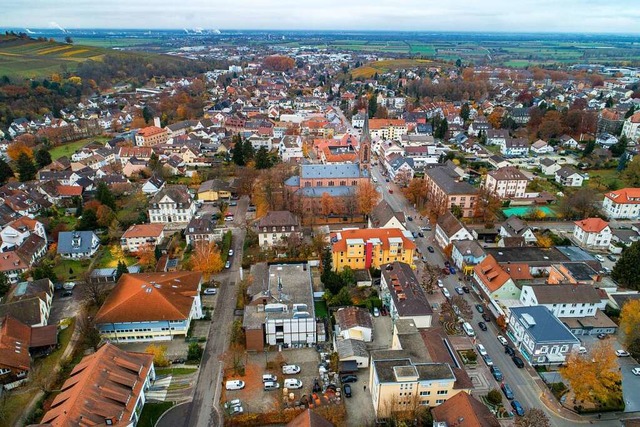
point(407, 294)
point(350, 348)
point(178, 193)
point(566, 171)
point(351, 317)
point(200, 226)
point(529, 255)
point(575, 294)
point(580, 271)
point(446, 179)
point(279, 219)
point(546, 327)
point(43, 336)
point(67, 238)
point(449, 224)
point(382, 214)
point(515, 226)
point(26, 310)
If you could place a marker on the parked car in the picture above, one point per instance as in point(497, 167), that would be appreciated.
point(290, 369)
point(409, 218)
point(602, 336)
point(612, 258)
point(269, 378)
point(459, 291)
point(414, 234)
point(69, 285)
point(420, 234)
point(510, 351)
point(210, 291)
point(465, 289)
point(376, 312)
point(518, 362)
point(440, 284)
point(348, 379)
point(517, 407)
point(622, 353)
point(482, 326)
point(234, 385)
point(480, 308)
point(236, 410)
point(316, 386)
point(497, 373)
point(486, 317)
point(178, 361)
point(481, 349)
point(390, 191)
point(582, 350)
point(636, 371)
point(386, 180)
point(347, 390)
point(426, 228)
point(446, 293)
point(503, 340)
point(227, 264)
point(507, 391)
point(293, 383)
point(452, 270)
point(230, 252)
point(67, 294)
point(233, 204)
point(232, 403)
point(487, 360)
point(270, 385)
point(430, 249)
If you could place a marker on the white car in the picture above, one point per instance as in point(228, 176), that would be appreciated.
point(582, 350)
point(230, 252)
point(446, 293)
point(636, 371)
point(227, 264)
point(481, 350)
point(232, 403)
point(292, 383)
point(234, 385)
point(622, 353)
point(236, 410)
point(599, 258)
point(210, 291)
point(228, 218)
point(376, 312)
point(69, 285)
point(269, 378)
point(290, 369)
point(440, 284)
point(503, 340)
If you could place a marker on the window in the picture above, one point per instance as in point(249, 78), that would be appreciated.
point(425, 393)
point(441, 392)
point(439, 401)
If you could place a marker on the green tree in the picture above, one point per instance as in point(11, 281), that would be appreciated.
point(262, 158)
point(630, 112)
point(43, 158)
point(441, 131)
point(4, 285)
point(342, 298)
point(88, 221)
point(121, 269)
point(247, 151)
point(494, 397)
point(44, 271)
point(195, 352)
point(5, 171)
point(458, 62)
point(631, 175)
point(373, 105)
point(588, 148)
point(147, 114)
point(154, 164)
point(465, 111)
point(104, 196)
point(237, 155)
point(619, 147)
point(26, 168)
point(608, 103)
point(627, 270)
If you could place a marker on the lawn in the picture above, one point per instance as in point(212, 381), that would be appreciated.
point(321, 308)
point(604, 179)
point(151, 412)
point(175, 371)
point(110, 256)
point(67, 269)
point(72, 147)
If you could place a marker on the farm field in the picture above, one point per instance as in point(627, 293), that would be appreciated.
point(384, 66)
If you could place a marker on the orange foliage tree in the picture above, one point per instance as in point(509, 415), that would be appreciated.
point(206, 259)
point(17, 148)
point(368, 197)
point(279, 63)
point(416, 192)
point(146, 256)
point(327, 204)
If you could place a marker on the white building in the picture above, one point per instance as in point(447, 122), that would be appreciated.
point(354, 323)
point(17, 231)
point(507, 183)
point(569, 177)
point(142, 235)
point(172, 204)
point(290, 148)
point(564, 300)
point(276, 227)
point(593, 233)
point(631, 128)
point(622, 204)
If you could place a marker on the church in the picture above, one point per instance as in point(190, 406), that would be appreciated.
point(339, 181)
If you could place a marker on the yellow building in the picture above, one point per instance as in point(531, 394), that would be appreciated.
point(372, 247)
point(214, 190)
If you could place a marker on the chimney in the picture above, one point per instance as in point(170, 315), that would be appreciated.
point(156, 122)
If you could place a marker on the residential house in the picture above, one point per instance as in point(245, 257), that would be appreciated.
point(402, 294)
point(142, 236)
point(352, 350)
point(463, 410)
point(622, 204)
point(448, 229)
point(29, 302)
point(568, 142)
point(540, 336)
point(520, 115)
point(507, 183)
point(15, 360)
point(388, 129)
point(497, 136)
point(480, 124)
point(77, 244)
point(383, 216)
point(567, 176)
point(126, 153)
point(153, 185)
point(173, 204)
point(149, 307)
point(610, 121)
point(631, 128)
point(541, 147)
point(592, 233)
point(290, 148)
point(515, 147)
point(494, 281)
point(357, 121)
point(107, 387)
point(516, 227)
point(372, 247)
point(549, 166)
point(17, 231)
point(354, 323)
point(202, 230)
point(214, 190)
point(446, 189)
point(400, 169)
point(466, 254)
point(276, 227)
point(151, 136)
point(270, 320)
point(570, 300)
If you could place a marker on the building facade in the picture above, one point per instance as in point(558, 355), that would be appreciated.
point(507, 183)
point(172, 204)
point(622, 204)
point(361, 249)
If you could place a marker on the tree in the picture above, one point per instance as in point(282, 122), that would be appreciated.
point(630, 325)
point(627, 270)
point(619, 147)
point(342, 298)
point(494, 396)
point(104, 195)
point(146, 257)
point(121, 269)
point(465, 309)
point(582, 203)
point(588, 148)
point(88, 221)
point(195, 352)
point(429, 277)
point(26, 169)
point(93, 293)
point(631, 175)
point(487, 205)
point(206, 258)
point(328, 204)
point(441, 130)
point(533, 417)
point(630, 111)
point(44, 271)
point(4, 285)
point(372, 106)
point(68, 40)
point(43, 158)
point(368, 197)
point(237, 155)
point(5, 171)
point(279, 63)
point(262, 158)
point(147, 114)
point(593, 376)
point(465, 111)
point(416, 192)
point(159, 354)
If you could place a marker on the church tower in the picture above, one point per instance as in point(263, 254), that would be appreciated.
point(365, 147)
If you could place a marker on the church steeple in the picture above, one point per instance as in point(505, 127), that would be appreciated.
point(365, 145)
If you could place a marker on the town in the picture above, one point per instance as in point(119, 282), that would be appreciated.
point(317, 236)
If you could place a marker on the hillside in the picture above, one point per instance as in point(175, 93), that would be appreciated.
point(367, 71)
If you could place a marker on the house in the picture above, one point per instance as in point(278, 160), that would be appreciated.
point(151, 136)
point(494, 281)
point(373, 247)
point(77, 244)
point(352, 350)
point(549, 166)
point(309, 418)
point(507, 183)
point(17, 231)
point(401, 169)
point(12, 265)
point(622, 204)
point(172, 204)
point(148, 307)
point(214, 190)
point(463, 410)
point(610, 121)
point(515, 147)
point(354, 323)
point(290, 148)
point(567, 176)
point(357, 121)
point(480, 124)
point(497, 136)
point(29, 302)
point(516, 227)
point(269, 320)
point(383, 216)
point(276, 227)
point(446, 189)
point(448, 229)
point(520, 115)
point(402, 294)
point(592, 233)
point(541, 147)
point(540, 336)
point(153, 185)
point(570, 300)
point(142, 236)
point(466, 254)
point(15, 360)
point(126, 153)
point(107, 387)
point(568, 142)
point(631, 128)
point(202, 230)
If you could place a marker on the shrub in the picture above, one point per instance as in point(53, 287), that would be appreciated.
point(494, 397)
point(195, 351)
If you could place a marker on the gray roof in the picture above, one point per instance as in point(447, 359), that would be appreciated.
point(382, 214)
point(351, 348)
point(25, 310)
point(445, 178)
point(346, 170)
point(575, 294)
point(449, 224)
point(529, 255)
point(387, 369)
point(547, 327)
point(566, 171)
point(338, 191)
point(408, 297)
point(279, 219)
point(75, 242)
point(580, 271)
point(178, 193)
point(515, 226)
point(203, 225)
point(547, 162)
point(469, 247)
point(293, 181)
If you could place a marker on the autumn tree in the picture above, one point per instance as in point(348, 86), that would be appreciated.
point(487, 205)
point(159, 353)
point(626, 271)
point(495, 118)
point(328, 204)
point(429, 277)
point(593, 376)
point(146, 257)
point(206, 258)
point(533, 417)
point(579, 204)
point(630, 325)
point(17, 148)
point(278, 63)
point(93, 293)
point(368, 197)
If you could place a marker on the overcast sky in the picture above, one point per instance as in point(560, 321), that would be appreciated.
point(594, 16)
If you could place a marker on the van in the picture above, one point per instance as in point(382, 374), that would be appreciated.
point(293, 383)
point(375, 179)
point(269, 378)
point(468, 329)
point(270, 385)
point(234, 385)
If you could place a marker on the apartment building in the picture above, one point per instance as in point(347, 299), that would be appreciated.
point(446, 189)
point(150, 136)
point(506, 183)
point(361, 249)
point(622, 204)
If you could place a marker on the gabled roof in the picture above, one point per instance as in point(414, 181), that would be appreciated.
point(143, 230)
point(352, 317)
point(508, 173)
point(566, 172)
point(279, 219)
point(465, 407)
point(542, 324)
point(70, 242)
point(515, 226)
point(574, 294)
point(592, 225)
point(491, 274)
point(151, 297)
point(103, 386)
point(449, 224)
point(375, 234)
point(625, 196)
point(14, 343)
point(309, 418)
point(382, 214)
point(177, 193)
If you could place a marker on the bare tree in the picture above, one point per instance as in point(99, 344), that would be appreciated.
point(533, 417)
point(429, 277)
point(93, 293)
point(465, 309)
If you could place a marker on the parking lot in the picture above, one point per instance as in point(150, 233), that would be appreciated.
point(360, 406)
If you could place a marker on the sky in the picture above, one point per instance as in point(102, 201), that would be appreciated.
point(582, 16)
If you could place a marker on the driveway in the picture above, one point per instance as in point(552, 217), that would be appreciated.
point(359, 405)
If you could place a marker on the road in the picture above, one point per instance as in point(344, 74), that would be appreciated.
point(204, 410)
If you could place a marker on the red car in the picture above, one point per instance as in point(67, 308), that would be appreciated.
point(445, 271)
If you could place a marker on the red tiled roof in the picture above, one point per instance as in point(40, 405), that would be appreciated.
point(69, 190)
point(372, 233)
point(491, 274)
point(382, 123)
point(467, 408)
point(143, 230)
point(625, 196)
point(14, 344)
point(592, 225)
point(151, 130)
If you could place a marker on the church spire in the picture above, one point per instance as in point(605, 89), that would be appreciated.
point(365, 145)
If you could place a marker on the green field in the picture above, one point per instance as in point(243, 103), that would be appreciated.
point(115, 42)
point(72, 147)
